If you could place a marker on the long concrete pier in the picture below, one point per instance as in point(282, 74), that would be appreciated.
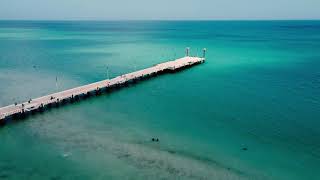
point(21, 110)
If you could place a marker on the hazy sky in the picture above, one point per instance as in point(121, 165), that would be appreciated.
point(159, 9)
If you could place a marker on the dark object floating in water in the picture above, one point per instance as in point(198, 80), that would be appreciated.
point(244, 148)
point(156, 140)
point(34, 66)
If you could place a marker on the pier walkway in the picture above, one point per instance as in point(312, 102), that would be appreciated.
point(39, 104)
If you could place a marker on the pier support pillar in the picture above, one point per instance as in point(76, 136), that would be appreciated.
point(23, 114)
point(98, 92)
point(41, 108)
point(2, 122)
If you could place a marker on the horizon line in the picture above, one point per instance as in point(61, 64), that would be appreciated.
point(160, 19)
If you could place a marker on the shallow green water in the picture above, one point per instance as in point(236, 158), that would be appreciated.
point(259, 89)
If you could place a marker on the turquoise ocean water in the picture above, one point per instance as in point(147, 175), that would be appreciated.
point(259, 89)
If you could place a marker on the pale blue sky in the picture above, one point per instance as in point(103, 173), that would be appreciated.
point(159, 9)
